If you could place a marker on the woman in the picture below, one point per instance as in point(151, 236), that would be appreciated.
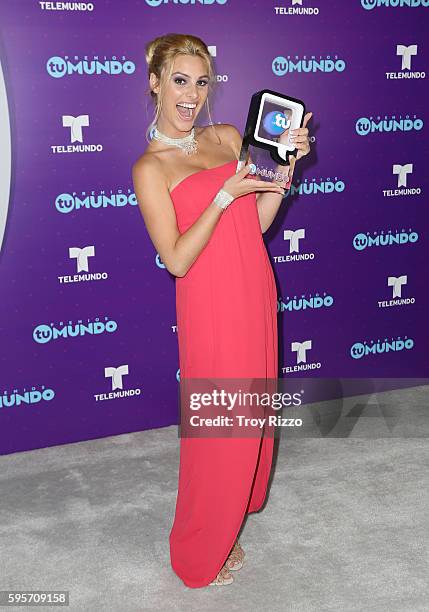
point(206, 223)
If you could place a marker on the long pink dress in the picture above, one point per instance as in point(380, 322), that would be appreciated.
point(227, 327)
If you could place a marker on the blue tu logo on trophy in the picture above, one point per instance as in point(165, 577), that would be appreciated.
point(275, 123)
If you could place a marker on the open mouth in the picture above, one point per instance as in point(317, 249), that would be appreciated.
point(186, 110)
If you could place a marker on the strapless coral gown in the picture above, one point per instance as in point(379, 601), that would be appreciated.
point(227, 327)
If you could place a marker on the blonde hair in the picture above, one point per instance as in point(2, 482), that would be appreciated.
point(160, 54)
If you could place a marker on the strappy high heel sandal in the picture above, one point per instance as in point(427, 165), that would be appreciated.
point(236, 558)
point(224, 577)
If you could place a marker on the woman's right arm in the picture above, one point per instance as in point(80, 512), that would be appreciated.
point(179, 251)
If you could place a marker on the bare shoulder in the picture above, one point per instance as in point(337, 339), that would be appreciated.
point(226, 131)
point(228, 134)
point(147, 163)
point(150, 183)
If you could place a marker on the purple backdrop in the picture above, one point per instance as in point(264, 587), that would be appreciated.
point(87, 311)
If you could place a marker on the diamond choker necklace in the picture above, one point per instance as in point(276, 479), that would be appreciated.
point(188, 144)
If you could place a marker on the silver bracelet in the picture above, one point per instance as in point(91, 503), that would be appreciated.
point(223, 199)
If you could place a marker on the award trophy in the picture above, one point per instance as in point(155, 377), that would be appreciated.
point(270, 119)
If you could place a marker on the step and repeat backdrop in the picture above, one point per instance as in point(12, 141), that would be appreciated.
point(88, 337)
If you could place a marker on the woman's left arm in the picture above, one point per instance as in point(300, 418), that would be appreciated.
point(269, 203)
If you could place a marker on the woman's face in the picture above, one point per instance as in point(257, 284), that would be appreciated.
point(187, 86)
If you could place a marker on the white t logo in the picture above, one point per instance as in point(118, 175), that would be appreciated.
point(301, 348)
point(116, 375)
point(76, 124)
point(402, 172)
point(82, 256)
point(406, 53)
point(396, 283)
point(294, 238)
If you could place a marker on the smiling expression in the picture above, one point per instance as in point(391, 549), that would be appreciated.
point(184, 94)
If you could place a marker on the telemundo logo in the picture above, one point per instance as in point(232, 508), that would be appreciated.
point(369, 125)
point(282, 65)
point(369, 5)
point(58, 67)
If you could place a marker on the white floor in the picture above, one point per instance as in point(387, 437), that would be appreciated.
point(345, 527)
